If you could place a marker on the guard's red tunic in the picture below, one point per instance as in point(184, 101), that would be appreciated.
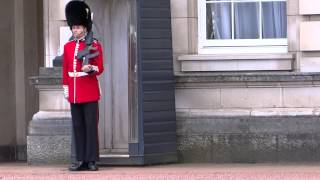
point(82, 87)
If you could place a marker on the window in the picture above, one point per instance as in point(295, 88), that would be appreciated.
point(242, 26)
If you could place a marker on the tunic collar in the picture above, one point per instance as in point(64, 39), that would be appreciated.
point(75, 39)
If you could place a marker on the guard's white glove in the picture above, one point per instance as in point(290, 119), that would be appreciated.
point(66, 91)
point(95, 68)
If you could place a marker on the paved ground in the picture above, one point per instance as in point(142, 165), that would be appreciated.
point(10, 171)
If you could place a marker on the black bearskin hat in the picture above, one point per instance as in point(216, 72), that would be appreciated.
point(78, 13)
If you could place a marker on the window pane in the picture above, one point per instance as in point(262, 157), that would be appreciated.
point(246, 19)
point(274, 20)
point(219, 21)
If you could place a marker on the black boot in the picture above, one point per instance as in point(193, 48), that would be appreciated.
point(79, 166)
point(92, 166)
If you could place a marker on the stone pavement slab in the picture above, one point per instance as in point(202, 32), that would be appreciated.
point(22, 171)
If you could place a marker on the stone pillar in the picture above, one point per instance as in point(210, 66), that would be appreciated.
point(49, 133)
point(54, 19)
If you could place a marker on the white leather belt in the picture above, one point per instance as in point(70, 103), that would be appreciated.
point(77, 74)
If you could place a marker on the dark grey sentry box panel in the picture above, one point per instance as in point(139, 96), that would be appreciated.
point(157, 109)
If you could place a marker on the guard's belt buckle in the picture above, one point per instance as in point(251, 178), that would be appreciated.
point(77, 74)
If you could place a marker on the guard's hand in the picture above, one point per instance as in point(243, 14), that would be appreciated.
point(87, 68)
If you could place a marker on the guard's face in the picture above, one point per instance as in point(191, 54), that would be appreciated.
point(78, 31)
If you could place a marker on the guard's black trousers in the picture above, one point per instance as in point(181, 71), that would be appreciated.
point(85, 128)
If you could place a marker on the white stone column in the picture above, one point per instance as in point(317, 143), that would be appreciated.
point(54, 18)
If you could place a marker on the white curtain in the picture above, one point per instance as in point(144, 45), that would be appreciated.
point(219, 21)
point(274, 23)
point(246, 20)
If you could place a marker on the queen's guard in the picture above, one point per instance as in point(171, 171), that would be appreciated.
point(82, 63)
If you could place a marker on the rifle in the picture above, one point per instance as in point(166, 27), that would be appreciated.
point(85, 54)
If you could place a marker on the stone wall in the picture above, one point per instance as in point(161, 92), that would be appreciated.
point(248, 107)
point(306, 14)
point(254, 117)
point(247, 138)
point(7, 94)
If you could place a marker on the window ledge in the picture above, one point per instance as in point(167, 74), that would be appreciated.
point(237, 62)
point(245, 77)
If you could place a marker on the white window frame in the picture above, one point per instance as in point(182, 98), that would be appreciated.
point(221, 46)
